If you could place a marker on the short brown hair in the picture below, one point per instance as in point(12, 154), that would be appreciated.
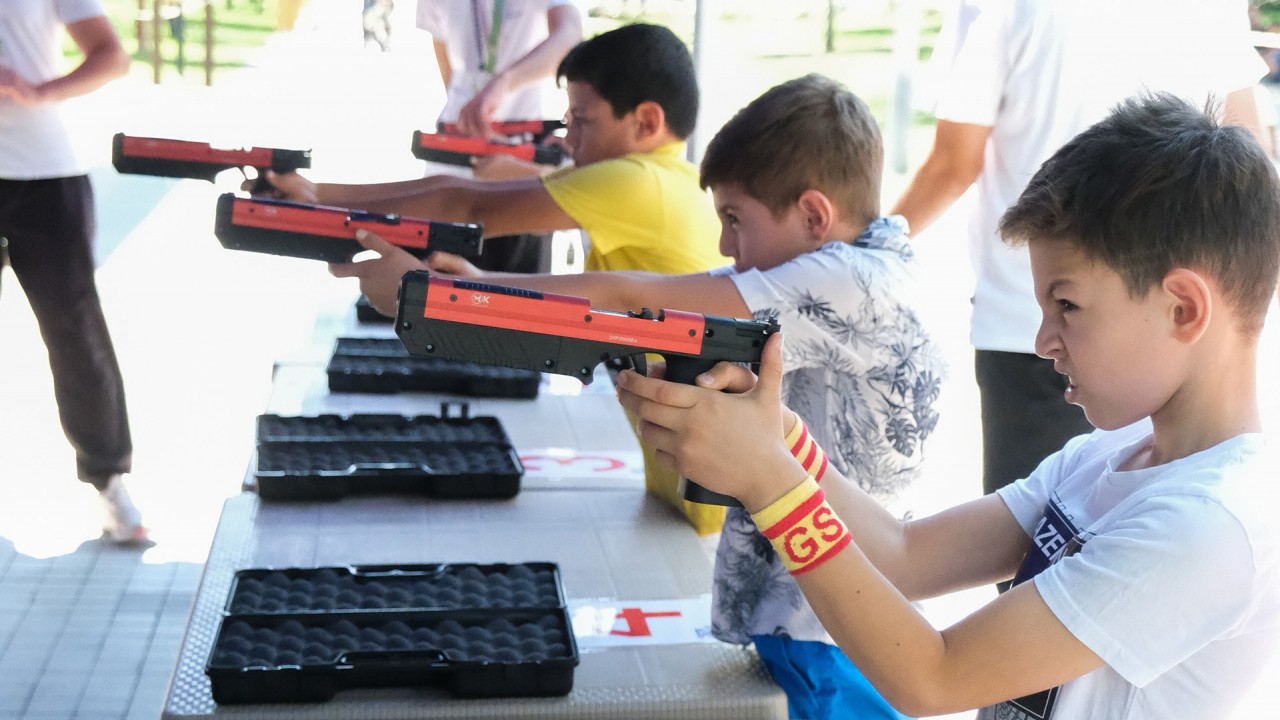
point(1160, 184)
point(807, 133)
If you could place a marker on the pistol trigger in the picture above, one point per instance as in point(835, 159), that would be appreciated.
point(641, 364)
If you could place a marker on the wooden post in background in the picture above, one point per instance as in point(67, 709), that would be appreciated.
point(155, 41)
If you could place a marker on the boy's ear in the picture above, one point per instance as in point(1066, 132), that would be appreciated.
point(818, 213)
point(650, 119)
point(1191, 303)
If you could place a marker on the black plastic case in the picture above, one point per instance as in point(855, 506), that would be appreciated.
point(302, 634)
point(328, 457)
point(382, 365)
point(367, 313)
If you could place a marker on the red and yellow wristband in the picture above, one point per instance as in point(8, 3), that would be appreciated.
point(803, 528)
point(805, 449)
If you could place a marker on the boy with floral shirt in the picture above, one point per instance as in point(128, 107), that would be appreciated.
point(795, 176)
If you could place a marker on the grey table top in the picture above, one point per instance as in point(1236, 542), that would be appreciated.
point(581, 505)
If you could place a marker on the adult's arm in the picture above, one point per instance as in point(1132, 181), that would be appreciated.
point(564, 31)
point(1241, 108)
point(104, 61)
point(442, 60)
point(950, 168)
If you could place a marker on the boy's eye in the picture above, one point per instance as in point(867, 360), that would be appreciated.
point(1067, 305)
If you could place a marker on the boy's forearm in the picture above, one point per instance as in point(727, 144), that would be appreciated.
point(612, 290)
point(397, 197)
point(627, 290)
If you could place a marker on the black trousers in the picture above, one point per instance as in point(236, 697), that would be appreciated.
point(1024, 416)
point(46, 232)
point(515, 254)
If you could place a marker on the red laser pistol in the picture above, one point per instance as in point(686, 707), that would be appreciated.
point(199, 161)
point(458, 149)
point(318, 232)
point(539, 130)
point(511, 327)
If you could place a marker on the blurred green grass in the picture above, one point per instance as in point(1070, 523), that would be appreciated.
point(769, 42)
point(240, 28)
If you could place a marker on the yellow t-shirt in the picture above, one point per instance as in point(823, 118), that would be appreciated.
point(643, 211)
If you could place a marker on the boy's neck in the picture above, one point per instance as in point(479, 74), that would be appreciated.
point(1217, 402)
point(653, 142)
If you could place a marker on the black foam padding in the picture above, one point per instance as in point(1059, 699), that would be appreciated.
point(331, 470)
point(327, 457)
point(417, 428)
point(382, 365)
point(381, 587)
point(479, 630)
point(308, 658)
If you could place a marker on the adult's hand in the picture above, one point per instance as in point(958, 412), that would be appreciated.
point(13, 87)
point(379, 277)
point(476, 117)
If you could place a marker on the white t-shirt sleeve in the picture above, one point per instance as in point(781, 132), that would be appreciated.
point(970, 71)
point(70, 11)
point(1026, 498)
point(430, 18)
point(1125, 595)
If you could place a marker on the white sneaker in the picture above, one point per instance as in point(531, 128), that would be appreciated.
point(122, 523)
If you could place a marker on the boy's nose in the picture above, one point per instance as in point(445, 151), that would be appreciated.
point(1048, 344)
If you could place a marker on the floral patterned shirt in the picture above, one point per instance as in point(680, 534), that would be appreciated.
point(863, 373)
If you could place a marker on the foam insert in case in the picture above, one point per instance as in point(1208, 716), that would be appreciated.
point(302, 634)
point(382, 365)
point(327, 457)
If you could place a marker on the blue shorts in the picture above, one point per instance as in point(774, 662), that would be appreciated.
point(820, 681)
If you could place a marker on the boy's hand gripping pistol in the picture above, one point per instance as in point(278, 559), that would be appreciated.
point(511, 327)
point(200, 161)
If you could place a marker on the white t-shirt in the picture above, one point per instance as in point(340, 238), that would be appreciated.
point(34, 143)
point(863, 373)
point(1038, 72)
point(1170, 574)
point(464, 27)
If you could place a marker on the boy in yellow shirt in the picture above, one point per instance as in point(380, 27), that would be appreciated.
point(633, 100)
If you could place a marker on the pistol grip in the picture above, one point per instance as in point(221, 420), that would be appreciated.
point(685, 370)
point(261, 186)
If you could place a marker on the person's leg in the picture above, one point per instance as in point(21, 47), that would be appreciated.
point(516, 253)
point(49, 226)
point(1024, 416)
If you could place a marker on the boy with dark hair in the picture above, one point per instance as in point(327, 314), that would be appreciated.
point(630, 186)
point(811, 251)
point(1151, 545)
point(658, 72)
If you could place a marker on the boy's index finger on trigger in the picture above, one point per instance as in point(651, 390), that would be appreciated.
point(662, 392)
point(371, 241)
